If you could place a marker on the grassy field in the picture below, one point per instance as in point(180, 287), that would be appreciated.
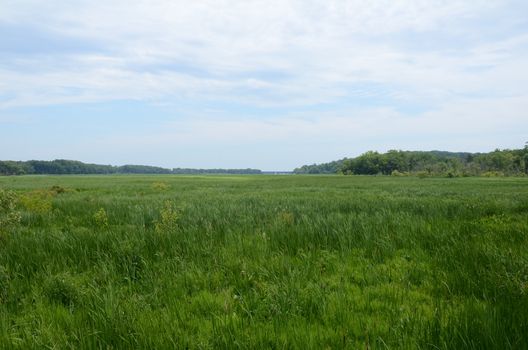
point(265, 262)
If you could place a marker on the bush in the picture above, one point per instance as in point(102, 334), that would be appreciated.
point(286, 218)
point(38, 201)
point(398, 173)
point(422, 174)
point(9, 216)
point(101, 218)
point(4, 285)
point(61, 290)
point(57, 189)
point(169, 218)
point(493, 174)
point(160, 186)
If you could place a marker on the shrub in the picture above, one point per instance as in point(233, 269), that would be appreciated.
point(61, 290)
point(57, 189)
point(9, 216)
point(398, 173)
point(422, 174)
point(4, 285)
point(101, 218)
point(169, 217)
point(38, 201)
point(493, 174)
point(286, 218)
point(160, 186)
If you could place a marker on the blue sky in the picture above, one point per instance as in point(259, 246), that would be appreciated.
point(262, 84)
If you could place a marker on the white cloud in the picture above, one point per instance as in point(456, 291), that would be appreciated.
point(320, 45)
point(463, 64)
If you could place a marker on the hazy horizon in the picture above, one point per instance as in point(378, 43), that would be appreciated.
point(267, 85)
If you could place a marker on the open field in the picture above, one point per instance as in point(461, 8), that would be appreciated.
point(265, 262)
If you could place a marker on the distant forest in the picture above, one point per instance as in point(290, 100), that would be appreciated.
point(507, 162)
point(432, 163)
point(64, 167)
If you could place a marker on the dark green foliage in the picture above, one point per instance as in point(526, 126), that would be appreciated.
point(9, 215)
point(324, 168)
point(4, 285)
point(71, 167)
point(57, 189)
point(315, 262)
point(433, 163)
point(62, 290)
point(13, 168)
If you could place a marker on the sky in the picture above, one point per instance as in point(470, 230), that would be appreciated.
point(271, 84)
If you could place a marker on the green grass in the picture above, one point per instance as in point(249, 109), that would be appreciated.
point(266, 262)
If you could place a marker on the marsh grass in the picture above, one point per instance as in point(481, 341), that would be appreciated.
point(10, 217)
point(266, 262)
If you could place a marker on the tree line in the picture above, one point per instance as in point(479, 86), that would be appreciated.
point(71, 167)
point(507, 162)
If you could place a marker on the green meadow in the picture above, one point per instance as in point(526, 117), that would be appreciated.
point(245, 262)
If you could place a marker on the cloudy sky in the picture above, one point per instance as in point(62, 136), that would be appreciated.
point(263, 84)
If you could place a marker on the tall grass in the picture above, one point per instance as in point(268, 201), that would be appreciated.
point(265, 262)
